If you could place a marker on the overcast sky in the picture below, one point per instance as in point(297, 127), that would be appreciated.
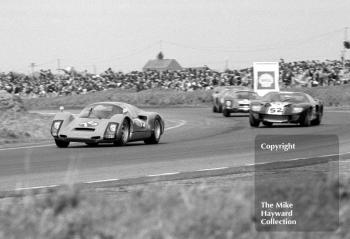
point(124, 34)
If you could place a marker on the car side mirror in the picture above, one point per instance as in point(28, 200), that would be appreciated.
point(125, 111)
point(61, 108)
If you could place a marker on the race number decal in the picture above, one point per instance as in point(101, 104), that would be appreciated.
point(140, 123)
point(275, 110)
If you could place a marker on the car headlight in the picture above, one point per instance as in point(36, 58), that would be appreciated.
point(256, 107)
point(228, 103)
point(297, 109)
point(112, 127)
point(56, 125)
point(111, 130)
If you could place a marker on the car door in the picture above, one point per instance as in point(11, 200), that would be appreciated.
point(139, 123)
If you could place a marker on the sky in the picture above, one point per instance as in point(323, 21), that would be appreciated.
point(124, 34)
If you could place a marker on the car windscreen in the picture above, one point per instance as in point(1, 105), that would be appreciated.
point(246, 95)
point(286, 97)
point(100, 111)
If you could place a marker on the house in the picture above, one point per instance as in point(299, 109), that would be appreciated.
point(161, 64)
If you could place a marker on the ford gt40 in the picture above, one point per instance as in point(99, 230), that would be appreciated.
point(286, 107)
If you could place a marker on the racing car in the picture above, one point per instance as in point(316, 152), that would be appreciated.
point(107, 122)
point(218, 96)
point(286, 107)
point(238, 101)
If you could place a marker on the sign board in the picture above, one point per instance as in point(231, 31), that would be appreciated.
point(266, 76)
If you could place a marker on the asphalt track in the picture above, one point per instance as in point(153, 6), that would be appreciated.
point(196, 140)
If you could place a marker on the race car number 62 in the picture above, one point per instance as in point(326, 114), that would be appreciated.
point(276, 110)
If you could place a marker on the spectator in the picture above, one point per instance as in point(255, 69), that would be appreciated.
point(47, 84)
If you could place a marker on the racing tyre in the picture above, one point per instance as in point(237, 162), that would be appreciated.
point(61, 143)
point(306, 119)
point(220, 109)
point(318, 119)
point(226, 113)
point(157, 132)
point(124, 134)
point(268, 124)
point(253, 122)
point(215, 110)
point(91, 144)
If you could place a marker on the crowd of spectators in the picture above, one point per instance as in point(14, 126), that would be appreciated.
point(314, 73)
point(45, 83)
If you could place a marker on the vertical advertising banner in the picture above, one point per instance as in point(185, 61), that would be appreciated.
point(266, 76)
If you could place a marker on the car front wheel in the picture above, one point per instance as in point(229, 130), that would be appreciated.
point(318, 119)
point(61, 143)
point(91, 144)
point(253, 122)
point(306, 119)
point(124, 134)
point(220, 109)
point(226, 113)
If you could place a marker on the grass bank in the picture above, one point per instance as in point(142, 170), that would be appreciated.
point(330, 95)
point(155, 97)
point(16, 127)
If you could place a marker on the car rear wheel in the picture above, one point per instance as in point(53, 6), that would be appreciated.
point(61, 143)
point(157, 132)
point(253, 122)
point(306, 119)
point(124, 134)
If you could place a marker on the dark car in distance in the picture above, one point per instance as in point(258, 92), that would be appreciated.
point(286, 107)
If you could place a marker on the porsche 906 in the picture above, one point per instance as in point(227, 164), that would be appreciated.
point(107, 122)
point(286, 107)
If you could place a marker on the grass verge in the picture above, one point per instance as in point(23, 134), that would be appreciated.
point(23, 127)
point(155, 97)
point(220, 207)
point(330, 95)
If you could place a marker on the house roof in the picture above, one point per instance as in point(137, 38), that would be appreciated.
point(162, 64)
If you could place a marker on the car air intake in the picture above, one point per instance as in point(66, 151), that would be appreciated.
point(85, 129)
